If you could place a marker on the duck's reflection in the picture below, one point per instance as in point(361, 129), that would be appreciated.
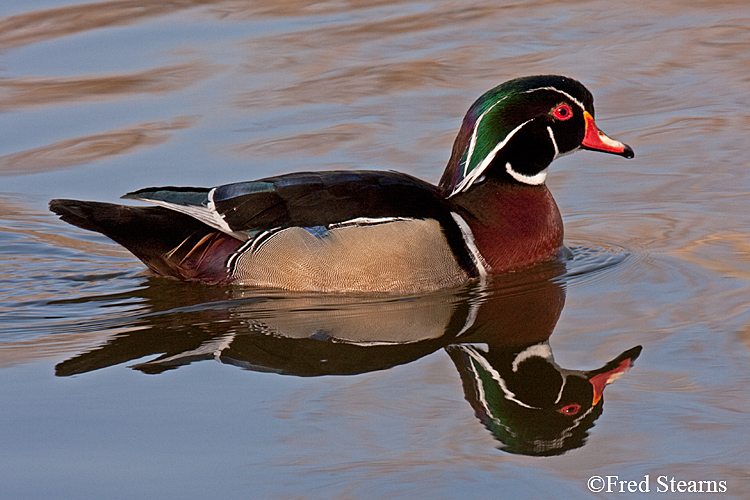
point(530, 403)
point(497, 336)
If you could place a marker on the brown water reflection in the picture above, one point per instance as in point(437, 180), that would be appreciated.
point(48, 24)
point(83, 150)
point(32, 92)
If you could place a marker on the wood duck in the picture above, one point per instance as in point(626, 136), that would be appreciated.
point(368, 231)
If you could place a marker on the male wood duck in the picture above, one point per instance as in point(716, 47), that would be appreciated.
point(371, 231)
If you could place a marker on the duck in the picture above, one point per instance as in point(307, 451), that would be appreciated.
point(375, 231)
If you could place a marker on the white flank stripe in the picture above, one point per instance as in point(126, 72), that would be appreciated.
point(237, 253)
point(468, 236)
point(261, 237)
point(367, 221)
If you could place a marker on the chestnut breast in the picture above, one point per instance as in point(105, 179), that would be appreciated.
point(514, 225)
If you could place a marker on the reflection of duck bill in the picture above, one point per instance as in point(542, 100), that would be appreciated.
point(610, 372)
point(497, 337)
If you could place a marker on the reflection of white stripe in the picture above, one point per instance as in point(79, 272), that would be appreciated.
point(213, 347)
point(543, 351)
point(562, 387)
point(471, 317)
point(476, 256)
point(482, 362)
point(537, 350)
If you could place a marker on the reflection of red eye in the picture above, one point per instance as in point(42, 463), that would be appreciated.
point(563, 112)
point(571, 409)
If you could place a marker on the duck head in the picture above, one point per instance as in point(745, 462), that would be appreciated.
point(517, 129)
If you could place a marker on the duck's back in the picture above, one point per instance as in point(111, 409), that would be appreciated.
point(322, 231)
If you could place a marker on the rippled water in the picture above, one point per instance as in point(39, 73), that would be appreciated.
point(114, 384)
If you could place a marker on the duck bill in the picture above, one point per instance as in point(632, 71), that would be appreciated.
point(596, 140)
point(613, 370)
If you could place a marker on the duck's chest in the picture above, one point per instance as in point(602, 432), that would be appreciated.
point(513, 226)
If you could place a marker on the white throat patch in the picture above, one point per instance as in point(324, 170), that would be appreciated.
point(533, 180)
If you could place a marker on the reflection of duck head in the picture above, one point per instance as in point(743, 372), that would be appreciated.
point(312, 335)
point(530, 403)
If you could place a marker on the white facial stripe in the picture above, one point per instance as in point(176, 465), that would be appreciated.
point(534, 180)
point(554, 142)
point(537, 179)
point(469, 179)
point(473, 142)
point(580, 104)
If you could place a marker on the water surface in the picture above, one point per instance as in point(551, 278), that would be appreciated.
point(119, 385)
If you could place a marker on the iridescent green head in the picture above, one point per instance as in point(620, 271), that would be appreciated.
point(517, 129)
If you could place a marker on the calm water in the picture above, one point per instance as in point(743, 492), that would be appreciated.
point(114, 384)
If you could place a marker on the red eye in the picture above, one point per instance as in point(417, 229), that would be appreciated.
point(571, 409)
point(563, 112)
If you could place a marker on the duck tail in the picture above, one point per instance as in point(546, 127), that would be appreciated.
point(168, 242)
